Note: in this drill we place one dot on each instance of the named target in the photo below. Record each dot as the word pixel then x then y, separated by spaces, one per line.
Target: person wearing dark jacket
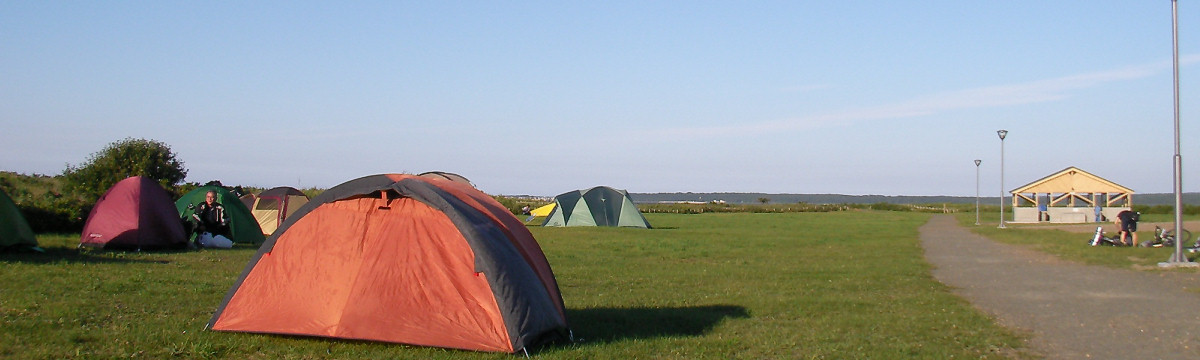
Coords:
pixel 210 216
pixel 1128 221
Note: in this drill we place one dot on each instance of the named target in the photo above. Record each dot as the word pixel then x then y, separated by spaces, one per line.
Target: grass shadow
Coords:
pixel 616 324
pixel 54 255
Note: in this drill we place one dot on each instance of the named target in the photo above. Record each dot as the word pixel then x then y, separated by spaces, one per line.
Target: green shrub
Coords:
pixel 514 205
pixel 42 203
pixel 56 216
pixel 122 159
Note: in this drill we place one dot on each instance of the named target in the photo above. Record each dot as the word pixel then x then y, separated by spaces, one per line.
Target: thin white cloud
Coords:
pixel 806 88
pixel 985 97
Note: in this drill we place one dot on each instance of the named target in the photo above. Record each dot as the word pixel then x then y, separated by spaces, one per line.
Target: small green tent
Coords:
pixel 15 232
pixel 598 206
pixel 242 225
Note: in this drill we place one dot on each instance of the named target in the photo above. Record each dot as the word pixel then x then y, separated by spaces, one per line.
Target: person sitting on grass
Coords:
pixel 211 223
pixel 526 210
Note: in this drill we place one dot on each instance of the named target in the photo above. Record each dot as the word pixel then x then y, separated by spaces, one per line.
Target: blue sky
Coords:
pixel 874 97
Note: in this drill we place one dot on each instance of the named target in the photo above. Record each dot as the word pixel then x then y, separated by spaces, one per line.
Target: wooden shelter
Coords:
pixel 1070 196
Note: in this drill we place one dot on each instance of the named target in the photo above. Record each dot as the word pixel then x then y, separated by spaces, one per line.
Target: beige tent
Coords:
pixel 1070 195
pixel 271 207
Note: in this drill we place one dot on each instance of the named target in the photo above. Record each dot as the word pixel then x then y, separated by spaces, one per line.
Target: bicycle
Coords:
pixel 1099 239
pixel 1166 238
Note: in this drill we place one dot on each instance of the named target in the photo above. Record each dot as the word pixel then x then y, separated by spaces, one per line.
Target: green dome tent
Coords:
pixel 598 206
pixel 242 225
pixel 15 232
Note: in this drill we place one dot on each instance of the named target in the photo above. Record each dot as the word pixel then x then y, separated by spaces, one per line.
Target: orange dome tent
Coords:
pixel 405 259
pixel 446 176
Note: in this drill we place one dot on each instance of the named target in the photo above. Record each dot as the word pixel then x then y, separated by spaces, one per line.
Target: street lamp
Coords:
pixel 1002 133
pixel 1177 259
pixel 977 162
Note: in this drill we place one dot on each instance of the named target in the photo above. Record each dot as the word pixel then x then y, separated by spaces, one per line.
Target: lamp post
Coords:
pixel 977 162
pixel 1002 133
pixel 1177 259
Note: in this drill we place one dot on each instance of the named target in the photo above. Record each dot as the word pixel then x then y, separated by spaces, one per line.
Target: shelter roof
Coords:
pixel 1072 180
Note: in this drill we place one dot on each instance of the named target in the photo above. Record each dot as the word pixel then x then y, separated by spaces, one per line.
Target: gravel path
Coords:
pixel 1072 311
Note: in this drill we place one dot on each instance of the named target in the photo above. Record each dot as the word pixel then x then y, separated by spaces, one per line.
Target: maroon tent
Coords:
pixel 135 213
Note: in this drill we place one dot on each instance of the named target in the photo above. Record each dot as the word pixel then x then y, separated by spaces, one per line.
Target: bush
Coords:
pixel 122 159
pixel 58 216
pixel 44 207
pixel 514 205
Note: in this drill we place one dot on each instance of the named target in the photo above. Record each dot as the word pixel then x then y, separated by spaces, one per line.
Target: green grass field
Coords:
pixel 839 285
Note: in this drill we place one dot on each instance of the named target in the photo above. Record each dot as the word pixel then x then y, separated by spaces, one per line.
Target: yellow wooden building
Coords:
pixel 1070 196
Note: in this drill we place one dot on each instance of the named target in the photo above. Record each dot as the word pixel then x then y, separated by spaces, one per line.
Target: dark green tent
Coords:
pixel 598 206
pixel 241 224
pixel 15 232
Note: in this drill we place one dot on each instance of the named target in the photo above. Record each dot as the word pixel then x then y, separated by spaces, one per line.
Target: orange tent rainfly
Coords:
pixel 446 176
pixel 405 259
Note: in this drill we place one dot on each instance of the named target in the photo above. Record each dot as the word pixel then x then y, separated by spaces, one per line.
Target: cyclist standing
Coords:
pixel 1128 220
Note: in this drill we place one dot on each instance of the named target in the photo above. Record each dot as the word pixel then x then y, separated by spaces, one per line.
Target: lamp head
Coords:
pixel 1002 133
